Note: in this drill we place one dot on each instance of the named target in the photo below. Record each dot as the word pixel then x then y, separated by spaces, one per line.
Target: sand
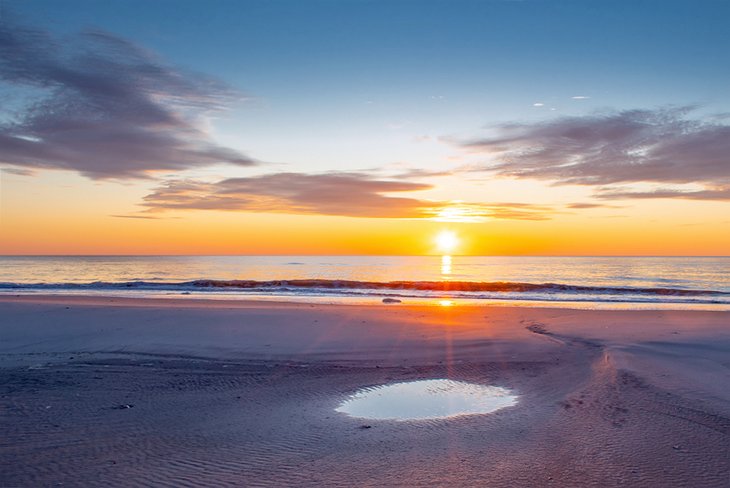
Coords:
pixel 139 392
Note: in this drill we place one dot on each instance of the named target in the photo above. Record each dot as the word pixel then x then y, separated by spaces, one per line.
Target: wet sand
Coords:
pixel 125 392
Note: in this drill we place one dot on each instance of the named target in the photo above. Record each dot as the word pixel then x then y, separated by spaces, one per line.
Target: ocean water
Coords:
pixel 631 280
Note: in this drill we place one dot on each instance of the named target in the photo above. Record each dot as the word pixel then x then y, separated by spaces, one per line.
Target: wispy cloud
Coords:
pixel 586 205
pixel 17 171
pixel 104 107
pixel 478 212
pixel 339 193
pixel 142 217
pixel 719 193
pixel 421 173
pixel 636 146
pixel 351 194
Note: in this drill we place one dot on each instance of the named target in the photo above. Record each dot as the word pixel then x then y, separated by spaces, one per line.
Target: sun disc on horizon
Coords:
pixel 447 241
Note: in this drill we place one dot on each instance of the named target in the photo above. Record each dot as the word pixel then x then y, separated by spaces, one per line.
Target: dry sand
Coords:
pixel 243 394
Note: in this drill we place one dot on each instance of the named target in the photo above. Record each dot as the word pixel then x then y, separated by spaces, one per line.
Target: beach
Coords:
pixel 165 392
pixel 367 243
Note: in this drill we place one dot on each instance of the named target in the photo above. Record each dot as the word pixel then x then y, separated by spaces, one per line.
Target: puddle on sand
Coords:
pixel 426 399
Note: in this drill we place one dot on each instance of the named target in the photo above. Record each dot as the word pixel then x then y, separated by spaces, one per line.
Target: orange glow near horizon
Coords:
pixel 61 213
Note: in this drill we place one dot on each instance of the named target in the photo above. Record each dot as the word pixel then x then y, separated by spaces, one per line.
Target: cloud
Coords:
pixel 580 97
pixel 582 206
pixel 479 212
pixel 351 194
pixel 337 193
pixel 102 106
pixel 421 173
pixel 143 217
pixel 17 171
pixel 721 193
pixel 534 213
pixel 636 146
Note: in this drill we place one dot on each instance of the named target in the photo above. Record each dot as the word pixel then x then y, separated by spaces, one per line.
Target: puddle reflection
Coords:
pixel 426 399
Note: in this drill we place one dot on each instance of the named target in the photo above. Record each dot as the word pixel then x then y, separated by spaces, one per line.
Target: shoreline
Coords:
pixel 244 392
pixel 363 300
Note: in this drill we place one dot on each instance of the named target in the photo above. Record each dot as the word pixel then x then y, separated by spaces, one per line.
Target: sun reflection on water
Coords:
pixel 445 266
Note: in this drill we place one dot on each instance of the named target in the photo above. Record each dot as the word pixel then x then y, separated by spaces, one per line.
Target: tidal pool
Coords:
pixel 426 399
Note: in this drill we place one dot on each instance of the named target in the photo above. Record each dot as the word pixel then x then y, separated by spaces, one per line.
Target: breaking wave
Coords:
pixel 450 289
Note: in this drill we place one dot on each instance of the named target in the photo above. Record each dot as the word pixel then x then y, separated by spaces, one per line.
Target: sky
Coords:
pixel 531 127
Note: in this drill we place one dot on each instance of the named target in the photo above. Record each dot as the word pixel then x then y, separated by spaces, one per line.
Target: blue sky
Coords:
pixel 325 75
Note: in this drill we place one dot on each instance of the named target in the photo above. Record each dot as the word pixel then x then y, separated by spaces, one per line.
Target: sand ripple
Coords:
pixel 581 422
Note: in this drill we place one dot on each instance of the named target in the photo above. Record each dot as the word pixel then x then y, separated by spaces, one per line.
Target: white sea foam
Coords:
pixel 600 280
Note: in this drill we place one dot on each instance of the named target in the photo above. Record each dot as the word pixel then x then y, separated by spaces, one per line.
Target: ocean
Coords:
pixel 687 282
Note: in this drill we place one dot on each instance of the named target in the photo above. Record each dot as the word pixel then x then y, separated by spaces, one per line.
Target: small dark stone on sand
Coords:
pixel 366 426
pixel 391 300
pixel 537 329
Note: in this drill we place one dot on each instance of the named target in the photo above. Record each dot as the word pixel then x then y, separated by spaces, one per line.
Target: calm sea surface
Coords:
pixel 687 280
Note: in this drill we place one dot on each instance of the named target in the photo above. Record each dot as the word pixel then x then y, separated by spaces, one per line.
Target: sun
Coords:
pixel 447 241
